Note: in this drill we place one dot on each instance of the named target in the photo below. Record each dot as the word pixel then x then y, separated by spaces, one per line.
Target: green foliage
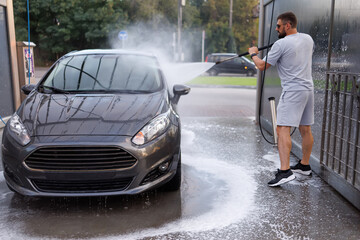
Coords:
pixel 245 25
pixel 222 80
pixel 244 31
pixel 60 26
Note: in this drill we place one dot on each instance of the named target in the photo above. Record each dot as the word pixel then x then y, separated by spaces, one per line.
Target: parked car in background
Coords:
pixel 100 122
pixel 240 65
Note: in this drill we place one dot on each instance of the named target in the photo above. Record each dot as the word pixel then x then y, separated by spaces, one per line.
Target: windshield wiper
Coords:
pixel 137 91
pixel 55 90
pixel 118 91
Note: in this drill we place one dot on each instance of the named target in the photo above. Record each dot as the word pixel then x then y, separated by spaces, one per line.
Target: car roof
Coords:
pixel 108 52
pixel 226 54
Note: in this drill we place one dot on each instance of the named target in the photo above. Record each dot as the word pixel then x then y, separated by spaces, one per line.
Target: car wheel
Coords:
pixel 250 72
pixel 175 183
pixel 213 72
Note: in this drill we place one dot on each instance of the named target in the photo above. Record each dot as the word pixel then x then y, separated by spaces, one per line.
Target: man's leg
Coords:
pixel 307 143
pixel 303 166
pixel 284 146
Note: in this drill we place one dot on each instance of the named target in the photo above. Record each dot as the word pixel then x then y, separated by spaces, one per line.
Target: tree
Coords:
pixel 215 17
pixel 58 26
pixel 245 25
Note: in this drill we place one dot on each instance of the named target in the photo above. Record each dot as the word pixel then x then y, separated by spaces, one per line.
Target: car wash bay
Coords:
pixel 224 195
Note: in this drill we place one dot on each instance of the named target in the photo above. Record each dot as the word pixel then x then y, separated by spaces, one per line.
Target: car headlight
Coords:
pixel 153 129
pixel 18 130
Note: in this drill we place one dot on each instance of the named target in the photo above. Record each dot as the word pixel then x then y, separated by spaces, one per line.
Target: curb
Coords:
pixel 220 86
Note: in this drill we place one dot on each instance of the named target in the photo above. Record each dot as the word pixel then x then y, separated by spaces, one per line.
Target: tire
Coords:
pixel 250 72
pixel 175 183
pixel 213 72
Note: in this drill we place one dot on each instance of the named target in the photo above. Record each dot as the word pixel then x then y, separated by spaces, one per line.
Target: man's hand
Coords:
pixel 253 50
pixel 260 64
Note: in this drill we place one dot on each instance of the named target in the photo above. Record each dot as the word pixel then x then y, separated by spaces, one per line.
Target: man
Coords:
pixel 292 54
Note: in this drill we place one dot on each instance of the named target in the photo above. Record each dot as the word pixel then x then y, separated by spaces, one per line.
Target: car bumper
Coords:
pixel 23 179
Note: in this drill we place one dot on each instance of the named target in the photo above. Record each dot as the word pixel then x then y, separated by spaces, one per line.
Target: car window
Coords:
pixel 219 57
pixel 105 72
pixel 246 60
pixel 239 61
pixel 222 58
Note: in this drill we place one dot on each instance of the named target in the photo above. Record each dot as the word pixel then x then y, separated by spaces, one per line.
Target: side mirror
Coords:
pixel 28 88
pixel 178 91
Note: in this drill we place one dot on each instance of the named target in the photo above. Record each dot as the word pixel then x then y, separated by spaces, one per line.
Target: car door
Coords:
pixel 230 66
pixel 240 65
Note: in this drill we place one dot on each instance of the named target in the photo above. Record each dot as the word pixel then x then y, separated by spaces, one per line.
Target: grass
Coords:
pixel 220 80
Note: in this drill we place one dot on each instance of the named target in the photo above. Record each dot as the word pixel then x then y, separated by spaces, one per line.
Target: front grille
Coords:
pixel 84 186
pixel 80 158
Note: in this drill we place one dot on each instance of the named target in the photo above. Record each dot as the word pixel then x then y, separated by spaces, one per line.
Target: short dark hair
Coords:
pixel 288 17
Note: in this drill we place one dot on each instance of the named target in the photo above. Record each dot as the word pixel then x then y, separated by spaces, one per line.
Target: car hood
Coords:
pixel 90 114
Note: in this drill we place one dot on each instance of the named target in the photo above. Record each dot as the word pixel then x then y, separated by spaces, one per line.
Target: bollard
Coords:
pixel 273 118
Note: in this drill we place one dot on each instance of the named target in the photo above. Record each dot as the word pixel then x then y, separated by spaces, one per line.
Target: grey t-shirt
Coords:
pixel 293 57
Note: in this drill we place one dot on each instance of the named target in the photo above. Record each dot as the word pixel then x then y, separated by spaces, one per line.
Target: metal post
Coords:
pixel 347 156
pixel 260 43
pixel 336 119
pixel 273 118
pixel 330 34
pixel 231 13
pixel 28 19
pixel 203 45
pixel 343 110
pixel 356 134
pixel 355 159
pixel 179 29
pixel 324 118
pixel 333 86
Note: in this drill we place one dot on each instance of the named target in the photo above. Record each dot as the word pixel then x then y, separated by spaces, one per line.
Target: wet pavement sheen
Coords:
pixel 224 194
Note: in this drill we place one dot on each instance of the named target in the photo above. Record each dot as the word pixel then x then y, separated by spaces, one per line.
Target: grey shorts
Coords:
pixel 295 108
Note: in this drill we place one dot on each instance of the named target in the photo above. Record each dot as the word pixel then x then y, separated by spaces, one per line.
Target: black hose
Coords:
pixel 263 79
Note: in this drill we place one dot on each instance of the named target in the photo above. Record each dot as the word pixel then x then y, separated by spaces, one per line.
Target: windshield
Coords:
pixel 104 73
pixel 249 61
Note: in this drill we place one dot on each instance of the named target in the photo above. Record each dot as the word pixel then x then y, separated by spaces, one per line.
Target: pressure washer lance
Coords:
pixel 273 118
pixel 243 54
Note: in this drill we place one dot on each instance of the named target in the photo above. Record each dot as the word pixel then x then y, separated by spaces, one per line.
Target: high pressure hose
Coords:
pixel 263 78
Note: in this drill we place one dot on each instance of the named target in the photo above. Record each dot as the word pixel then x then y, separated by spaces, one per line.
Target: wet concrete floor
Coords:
pixel 224 195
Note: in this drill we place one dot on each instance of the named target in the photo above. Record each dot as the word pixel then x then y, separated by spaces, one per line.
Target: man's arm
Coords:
pixel 260 64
